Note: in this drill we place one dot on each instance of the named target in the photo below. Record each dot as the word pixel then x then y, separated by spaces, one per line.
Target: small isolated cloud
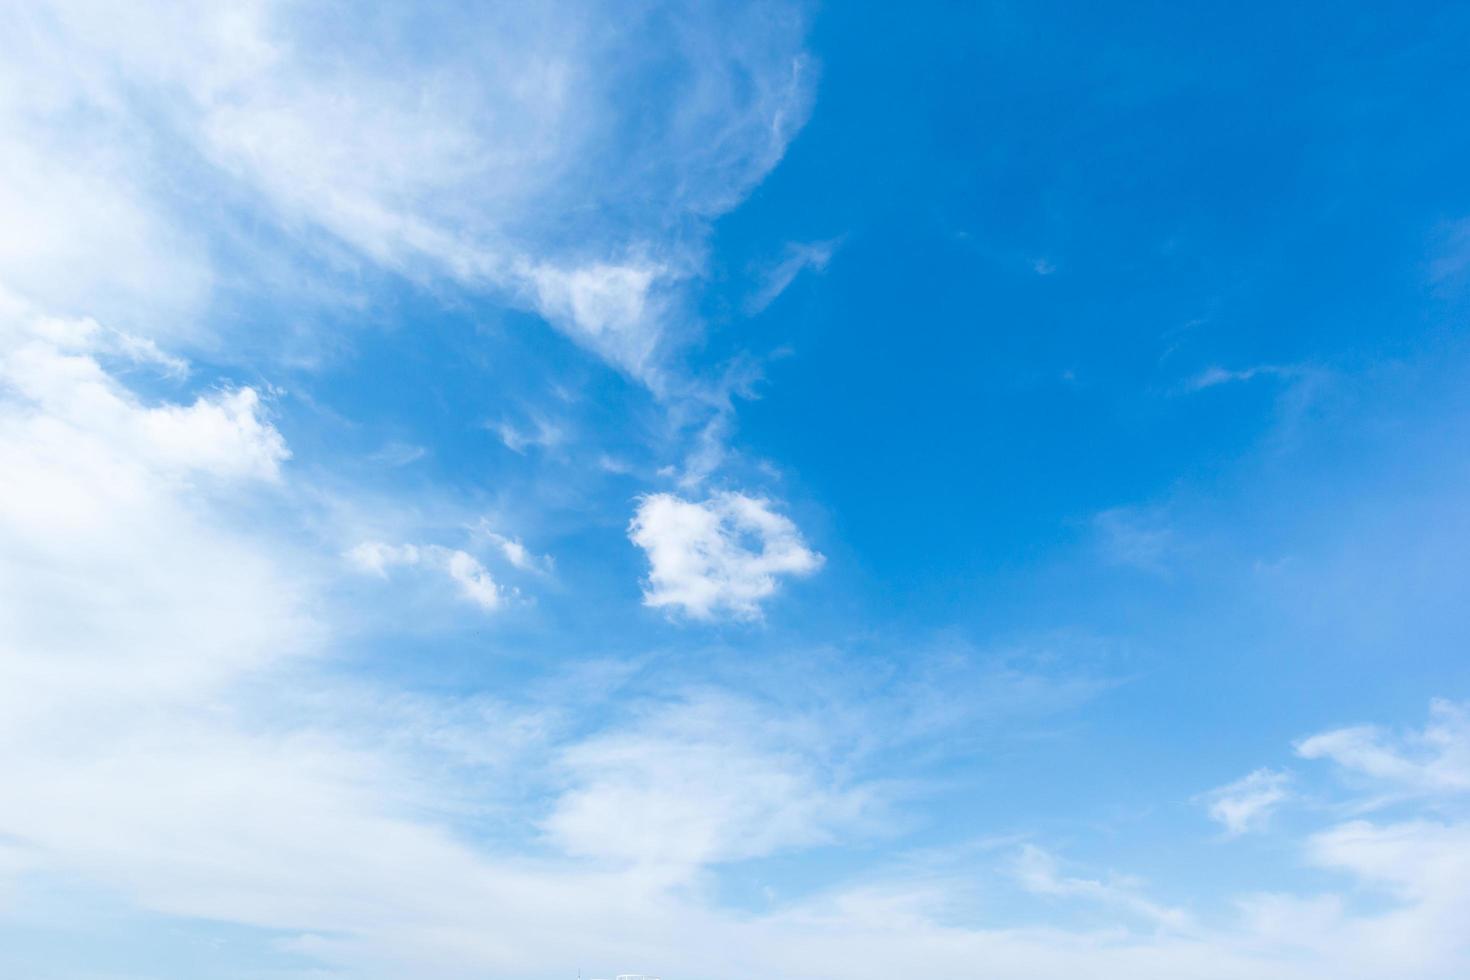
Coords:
pixel 1043 267
pixel 1247 804
pixel 514 551
pixel 722 556
pixel 1432 762
pixel 1213 377
pixel 474 583
pixel 395 454
pixel 799 257
pixel 539 434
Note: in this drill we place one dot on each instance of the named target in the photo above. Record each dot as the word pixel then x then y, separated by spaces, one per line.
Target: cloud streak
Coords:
pixel 1247 804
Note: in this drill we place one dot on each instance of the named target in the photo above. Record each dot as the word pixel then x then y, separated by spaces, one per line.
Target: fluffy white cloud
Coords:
pixel 722 556
pixel 1247 803
pixel 475 583
pixel 61 397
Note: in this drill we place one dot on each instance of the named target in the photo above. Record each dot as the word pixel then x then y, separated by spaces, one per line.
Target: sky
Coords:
pixel 734 490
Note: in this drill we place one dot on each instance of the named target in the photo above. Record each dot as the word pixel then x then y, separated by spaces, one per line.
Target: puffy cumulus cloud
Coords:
pixel 501 154
pixel 472 580
pixel 66 415
pixel 1247 803
pixel 707 779
pixel 719 557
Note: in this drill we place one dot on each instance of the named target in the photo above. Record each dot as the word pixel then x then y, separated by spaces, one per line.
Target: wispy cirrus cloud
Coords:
pixel 1215 376
pixel 1039 872
pixel 452 164
pixel 1431 762
pixel 799 257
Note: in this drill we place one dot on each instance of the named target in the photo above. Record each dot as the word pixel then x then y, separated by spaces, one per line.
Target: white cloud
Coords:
pixel 164 739
pixel 169 735
pixel 709 779
pixel 1039 873
pixel 542 434
pixel 722 556
pixel 1247 804
pixel 395 454
pixel 78 234
pixel 514 551
pixel 799 257
pixel 377 557
pixel 1215 376
pixel 106 556
pixel 474 581
pixel 1434 761
pixel 497 157
pixel 62 397
pixel 607 306
pixel 1423 867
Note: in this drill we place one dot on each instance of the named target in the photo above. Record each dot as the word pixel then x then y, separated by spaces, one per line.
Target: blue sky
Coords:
pixel 729 490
